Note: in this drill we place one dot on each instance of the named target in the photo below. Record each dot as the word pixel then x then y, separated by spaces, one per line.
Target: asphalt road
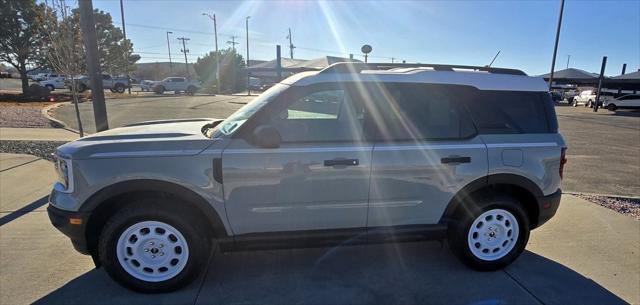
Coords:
pixel 603 147
pixel 587 254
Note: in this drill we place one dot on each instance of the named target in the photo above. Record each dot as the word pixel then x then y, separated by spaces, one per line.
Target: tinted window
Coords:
pixel 403 112
pixel 509 112
pixel 317 114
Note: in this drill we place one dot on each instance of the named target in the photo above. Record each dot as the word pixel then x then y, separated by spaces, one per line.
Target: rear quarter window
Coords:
pixel 499 112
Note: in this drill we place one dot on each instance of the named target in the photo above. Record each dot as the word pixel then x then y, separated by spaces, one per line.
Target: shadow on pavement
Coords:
pixel 24 210
pixel 411 273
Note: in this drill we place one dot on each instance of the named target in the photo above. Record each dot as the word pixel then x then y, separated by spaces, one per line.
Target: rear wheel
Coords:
pixel 150 249
pixel 490 233
pixel 159 89
pixel 191 90
pixel 50 87
pixel 588 104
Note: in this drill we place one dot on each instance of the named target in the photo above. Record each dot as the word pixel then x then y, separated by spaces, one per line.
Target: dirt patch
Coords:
pixel 625 206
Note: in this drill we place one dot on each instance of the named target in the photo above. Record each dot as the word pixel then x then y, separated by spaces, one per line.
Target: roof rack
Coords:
pixel 357 67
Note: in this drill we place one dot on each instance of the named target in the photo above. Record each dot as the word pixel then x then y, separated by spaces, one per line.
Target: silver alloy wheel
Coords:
pixel 493 234
pixel 152 251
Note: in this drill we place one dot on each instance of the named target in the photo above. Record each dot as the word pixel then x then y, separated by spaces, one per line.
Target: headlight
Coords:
pixel 65 174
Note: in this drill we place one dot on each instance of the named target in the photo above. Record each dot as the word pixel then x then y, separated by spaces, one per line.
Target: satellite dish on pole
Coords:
pixel 366 49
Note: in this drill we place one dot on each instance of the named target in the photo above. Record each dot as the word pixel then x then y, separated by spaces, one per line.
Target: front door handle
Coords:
pixel 455 160
pixel 343 162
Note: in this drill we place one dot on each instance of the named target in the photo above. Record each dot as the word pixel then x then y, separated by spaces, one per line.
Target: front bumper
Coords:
pixel 548 206
pixel 71 224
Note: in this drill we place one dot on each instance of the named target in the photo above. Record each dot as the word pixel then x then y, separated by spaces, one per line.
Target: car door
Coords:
pixel 318 177
pixel 425 151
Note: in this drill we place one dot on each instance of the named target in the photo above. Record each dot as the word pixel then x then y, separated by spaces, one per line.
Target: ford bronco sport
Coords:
pixel 364 152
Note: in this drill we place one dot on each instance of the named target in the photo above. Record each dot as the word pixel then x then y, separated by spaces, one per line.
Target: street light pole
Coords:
pixel 248 74
pixel 169 48
pixel 215 34
pixel 126 43
pixel 555 48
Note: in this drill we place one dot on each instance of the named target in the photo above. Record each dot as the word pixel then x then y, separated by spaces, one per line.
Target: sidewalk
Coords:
pixel 37 134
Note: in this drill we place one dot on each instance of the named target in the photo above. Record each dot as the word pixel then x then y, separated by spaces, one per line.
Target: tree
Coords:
pixel 232 77
pixel 63 55
pixel 111 44
pixel 21 35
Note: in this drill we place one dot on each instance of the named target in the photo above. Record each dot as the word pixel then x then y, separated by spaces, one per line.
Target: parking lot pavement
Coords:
pixel 585 255
pixel 603 150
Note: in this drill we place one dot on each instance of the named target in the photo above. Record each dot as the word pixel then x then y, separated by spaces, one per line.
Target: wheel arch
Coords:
pixel 107 201
pixel 521 188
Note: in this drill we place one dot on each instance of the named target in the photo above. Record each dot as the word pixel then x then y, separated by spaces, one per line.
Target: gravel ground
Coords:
pixel 21 116
pixel 42 149
pixel 625 206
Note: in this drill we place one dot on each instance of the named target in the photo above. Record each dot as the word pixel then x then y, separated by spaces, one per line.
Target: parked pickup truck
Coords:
pixel 114 84
pixel 177 85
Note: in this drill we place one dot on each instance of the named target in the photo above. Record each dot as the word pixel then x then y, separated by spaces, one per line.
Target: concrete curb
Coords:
pixel 604 195
pixel 55 122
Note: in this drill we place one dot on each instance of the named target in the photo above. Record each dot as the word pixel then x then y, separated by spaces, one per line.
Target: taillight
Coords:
pixel 563 160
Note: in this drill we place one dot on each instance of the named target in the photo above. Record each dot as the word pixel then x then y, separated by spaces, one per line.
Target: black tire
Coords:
pixel 152 210
pixel 119 88
pixel 588 104
pixel 191 90
pixel 459 231
pixel 158 89
pixel 612 107
pixel 82 88
pixel 51 88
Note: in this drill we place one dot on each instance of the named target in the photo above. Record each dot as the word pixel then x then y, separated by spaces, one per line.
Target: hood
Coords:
pixel 145 139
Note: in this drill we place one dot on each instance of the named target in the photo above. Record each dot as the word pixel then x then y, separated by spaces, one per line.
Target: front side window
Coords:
pixel 318 113
pixel 238 118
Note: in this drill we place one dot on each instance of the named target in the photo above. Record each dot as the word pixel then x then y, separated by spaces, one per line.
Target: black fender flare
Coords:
pixel 482 183
pixel 104 195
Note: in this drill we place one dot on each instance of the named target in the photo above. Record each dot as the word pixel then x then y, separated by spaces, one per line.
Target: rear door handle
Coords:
pixel 343 162
pixel 455 160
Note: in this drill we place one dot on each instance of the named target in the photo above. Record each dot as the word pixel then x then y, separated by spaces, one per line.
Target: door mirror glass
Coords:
pixel 266 136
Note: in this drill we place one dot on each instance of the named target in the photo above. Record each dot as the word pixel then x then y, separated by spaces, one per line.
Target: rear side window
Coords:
pixel 410 111
pixel 498 112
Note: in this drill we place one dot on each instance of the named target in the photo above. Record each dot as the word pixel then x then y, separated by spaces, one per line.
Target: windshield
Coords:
pixel 233 122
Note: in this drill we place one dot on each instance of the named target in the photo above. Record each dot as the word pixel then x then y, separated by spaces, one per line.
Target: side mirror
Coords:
pixel 266 136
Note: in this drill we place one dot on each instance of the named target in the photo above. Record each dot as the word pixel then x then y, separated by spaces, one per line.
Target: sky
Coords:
pixel 448 32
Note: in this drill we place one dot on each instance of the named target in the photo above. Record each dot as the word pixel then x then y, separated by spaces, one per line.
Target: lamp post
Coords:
pixel 248 74
pixel 169 49
pixel 215 34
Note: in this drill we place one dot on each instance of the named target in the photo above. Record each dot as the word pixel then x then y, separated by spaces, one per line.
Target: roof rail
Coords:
pixel 357 67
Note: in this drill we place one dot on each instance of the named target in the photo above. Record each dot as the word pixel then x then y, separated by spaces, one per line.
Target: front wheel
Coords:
pixel 490 233
pixel 150 249
pixel 612 107
pixel 119 88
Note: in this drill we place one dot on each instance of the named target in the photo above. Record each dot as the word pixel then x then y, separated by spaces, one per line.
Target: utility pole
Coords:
pixel 248 74
pixel 185 51
pixel 215 34
pixel 278 63
pixel 126 52
pixel 88 26
pixel 169 48
pixel 393 59
pixel 291 46
pixel 555 48
pixel 233 44
pixel 568 59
